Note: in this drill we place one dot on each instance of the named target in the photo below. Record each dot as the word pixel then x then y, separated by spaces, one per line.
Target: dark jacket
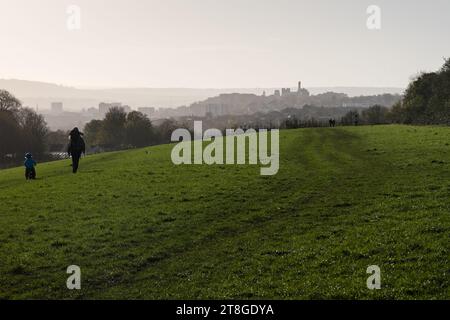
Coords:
pixel 29 163
pixel 76 145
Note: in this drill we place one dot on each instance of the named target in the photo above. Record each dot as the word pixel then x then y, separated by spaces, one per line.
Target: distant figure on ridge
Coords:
pixel 76 148
pixel 30 172
pixel 332 123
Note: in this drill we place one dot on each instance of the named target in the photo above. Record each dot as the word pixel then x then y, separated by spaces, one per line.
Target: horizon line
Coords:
pixel 84 87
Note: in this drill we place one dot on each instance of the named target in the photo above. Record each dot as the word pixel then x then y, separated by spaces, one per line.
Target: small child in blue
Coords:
pixel 30 172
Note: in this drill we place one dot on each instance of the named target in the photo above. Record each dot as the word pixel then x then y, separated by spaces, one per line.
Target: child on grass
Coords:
pixel 30 172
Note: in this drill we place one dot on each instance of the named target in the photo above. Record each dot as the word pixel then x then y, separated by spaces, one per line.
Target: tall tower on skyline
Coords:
pixel 299 86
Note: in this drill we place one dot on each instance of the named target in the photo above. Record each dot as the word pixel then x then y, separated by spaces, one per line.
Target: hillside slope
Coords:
pixel 141 227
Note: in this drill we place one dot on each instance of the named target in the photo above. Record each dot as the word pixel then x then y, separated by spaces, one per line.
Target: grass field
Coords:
pixel 141 227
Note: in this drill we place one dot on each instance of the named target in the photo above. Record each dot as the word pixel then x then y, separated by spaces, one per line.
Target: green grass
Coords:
pixel 141 227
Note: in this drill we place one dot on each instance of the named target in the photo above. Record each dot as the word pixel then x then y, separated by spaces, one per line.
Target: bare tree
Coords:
pixel 10 135
pixel 34 130
pixel 8 102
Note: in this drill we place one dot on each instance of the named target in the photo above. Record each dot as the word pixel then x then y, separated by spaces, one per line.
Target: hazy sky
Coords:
pixel 226 43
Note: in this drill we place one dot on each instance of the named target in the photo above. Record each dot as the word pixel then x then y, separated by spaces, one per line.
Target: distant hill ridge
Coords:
pixel 35 93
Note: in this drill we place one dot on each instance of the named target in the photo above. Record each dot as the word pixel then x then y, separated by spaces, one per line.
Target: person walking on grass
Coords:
pixel 30 171
pixel 76 148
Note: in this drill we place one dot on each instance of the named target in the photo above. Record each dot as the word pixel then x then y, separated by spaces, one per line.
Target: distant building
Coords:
pixel 93 112
pixel 277 93
pixel 149 111
pixel 126 108
pixel 105 107
pixel 356 104
pixel 285 91
pixel 217 109
pixel 56 107
pixel 301 91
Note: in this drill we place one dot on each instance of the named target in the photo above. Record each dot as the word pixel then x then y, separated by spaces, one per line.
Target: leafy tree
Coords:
pixel 165 130
pixel 56 141
pixel 396 114
pixel 375 115
pixel 350 118
pixel 113 129
pixel 427 98
pixel 138 130
pixel 93 131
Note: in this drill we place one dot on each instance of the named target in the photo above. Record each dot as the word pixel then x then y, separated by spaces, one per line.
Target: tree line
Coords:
pixel 121 130
pixel 21 130
pixel 426 100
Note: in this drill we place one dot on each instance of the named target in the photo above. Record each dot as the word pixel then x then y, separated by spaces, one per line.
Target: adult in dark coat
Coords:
pixel 76 148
